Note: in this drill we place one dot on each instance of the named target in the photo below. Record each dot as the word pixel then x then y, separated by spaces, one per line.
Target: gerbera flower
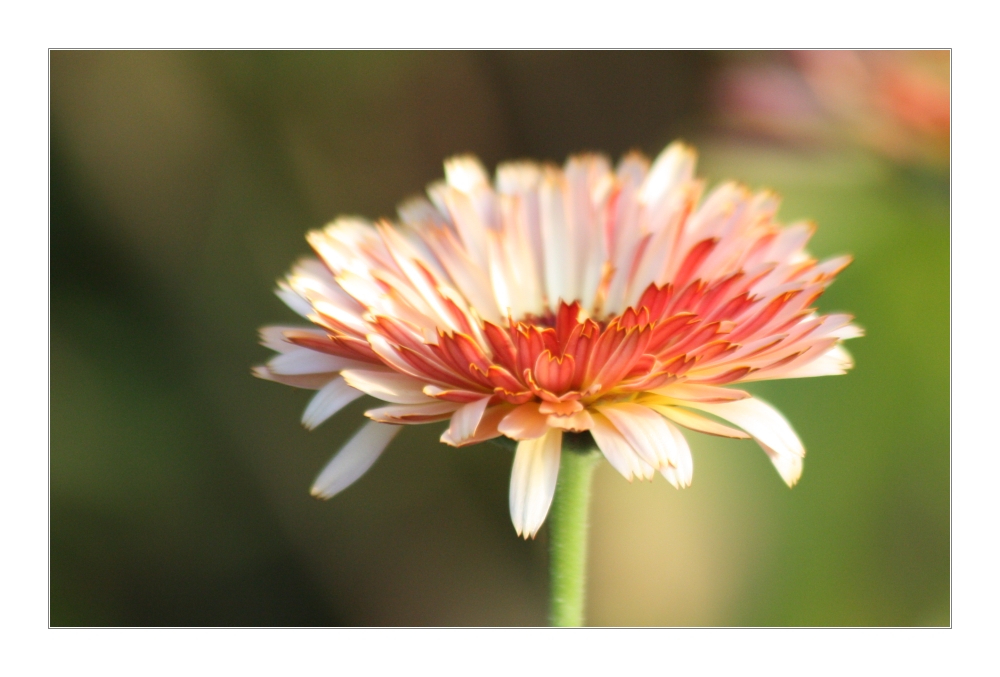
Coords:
pixel 586 299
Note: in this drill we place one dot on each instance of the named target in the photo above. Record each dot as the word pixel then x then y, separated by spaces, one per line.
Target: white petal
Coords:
pixel 617 450
pixel 670 474
pixel 469 225
pixel 293 300
pixel 848 332
pixel 336 242
pixel 671 168
pixel 584 226
pixel 417 211
pixel 313 281
pixel 306 361
pixel 330 399
pixel 696 422
pixel 345 316
pixel 388 386
pixel 632 169
pixel 407 257
pixel 273 337
pixel 466 173
pixel 517 177
pixel 465 274
pixel 361 287
pixel 769 428
pixel 533 481
pixel 680 472
pixel 499 275
pixel 308 381
pixel 644 429
pixel 760 420
pixel 831 363
pixel 413 413
pixel 486 429
pixel 465 420
pixel 354 459
pixel 559 261
pixel 788 466
pixel 389 354
pixel 522 244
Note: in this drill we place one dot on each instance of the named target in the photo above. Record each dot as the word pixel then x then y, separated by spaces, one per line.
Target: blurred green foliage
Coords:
pixel 182 185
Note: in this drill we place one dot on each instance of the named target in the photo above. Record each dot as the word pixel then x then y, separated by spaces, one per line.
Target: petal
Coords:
pixel 487 428
pixel 833 362
pixel 576 422
pixel 760 420
pixel 769 428
pixel 354 459
pixel 533 481
pixel 848 332
pixel 557 249
pixel 464 421
pixel 293 300
pixel 453 395
pixel 788 466
pixel 417 211
pixel 672 167
pixel 309 381
pixel 273 337
pixel 387 386
pixel 644 429
pixel 699 423
pixel 305 361
pixel 330 399
pixel 554 373
pixel 345 318
pixel 389 354
pixel 413 413
pixel 680 472
pixel 466 173
pixel 617 450
pixel 700 393
pixel 524 423
pixel 468 223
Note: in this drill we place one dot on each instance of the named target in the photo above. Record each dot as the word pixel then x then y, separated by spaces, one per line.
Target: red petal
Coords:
pixel 656 299
pixel 567 319
pixel 695 257
pixel 671 330
pixel 499 377
pixel 730 376
pixel 503 348
pixel 747 328
pixel 554 374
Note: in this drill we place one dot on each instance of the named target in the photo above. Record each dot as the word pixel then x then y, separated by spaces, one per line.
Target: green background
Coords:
pixel 182 185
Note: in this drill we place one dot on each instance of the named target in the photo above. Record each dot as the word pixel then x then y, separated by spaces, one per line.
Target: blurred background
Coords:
pixel 182 185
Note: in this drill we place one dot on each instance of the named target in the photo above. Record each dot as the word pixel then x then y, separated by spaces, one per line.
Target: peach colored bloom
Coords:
pixel 895 102
pixel 585 298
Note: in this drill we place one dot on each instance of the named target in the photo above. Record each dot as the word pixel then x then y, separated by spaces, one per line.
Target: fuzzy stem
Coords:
pixel 568 536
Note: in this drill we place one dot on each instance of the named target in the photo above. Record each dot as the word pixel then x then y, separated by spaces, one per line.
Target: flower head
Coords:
pixel 584 299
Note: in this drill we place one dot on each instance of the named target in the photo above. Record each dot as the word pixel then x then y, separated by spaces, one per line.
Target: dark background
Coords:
pixel 182 185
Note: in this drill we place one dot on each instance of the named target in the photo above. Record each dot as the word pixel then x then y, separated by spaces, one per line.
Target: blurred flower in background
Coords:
pixel 896 103
pixel 181 184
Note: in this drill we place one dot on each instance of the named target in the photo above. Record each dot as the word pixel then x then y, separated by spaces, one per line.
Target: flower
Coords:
pixel 555 301
pixel 894 102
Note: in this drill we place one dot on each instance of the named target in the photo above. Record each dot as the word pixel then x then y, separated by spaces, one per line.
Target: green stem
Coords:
pixel 568 536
